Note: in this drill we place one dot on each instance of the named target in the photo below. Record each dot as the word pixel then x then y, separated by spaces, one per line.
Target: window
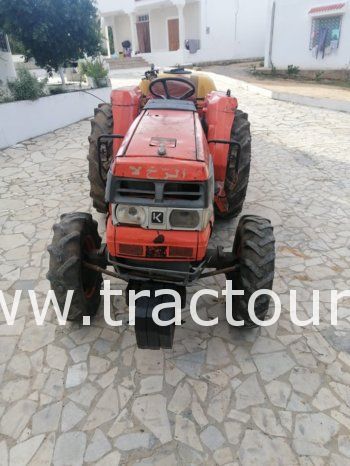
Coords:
pixel 327 30
pixel 143 19
pixel 3 42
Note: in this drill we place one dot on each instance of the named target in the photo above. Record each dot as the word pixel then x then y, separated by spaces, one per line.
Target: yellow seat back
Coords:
pixel 202 82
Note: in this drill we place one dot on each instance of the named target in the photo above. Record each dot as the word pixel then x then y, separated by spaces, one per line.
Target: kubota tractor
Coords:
pixel 166 157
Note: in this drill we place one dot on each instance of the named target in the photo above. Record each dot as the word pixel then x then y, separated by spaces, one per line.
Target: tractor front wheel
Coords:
pixel 102 123
pixel 74 236
pixel 254 248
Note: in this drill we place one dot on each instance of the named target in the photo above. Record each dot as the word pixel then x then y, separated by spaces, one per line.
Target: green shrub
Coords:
pixel 293 70
pixel 319 75
pixel 253 69
pixel 26 86
pixel 53 90
pixel 94 69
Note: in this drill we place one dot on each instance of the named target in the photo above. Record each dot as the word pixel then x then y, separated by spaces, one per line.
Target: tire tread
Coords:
pixel 254 246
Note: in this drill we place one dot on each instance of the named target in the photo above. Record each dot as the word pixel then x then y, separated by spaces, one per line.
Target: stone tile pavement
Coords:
pixel 276 396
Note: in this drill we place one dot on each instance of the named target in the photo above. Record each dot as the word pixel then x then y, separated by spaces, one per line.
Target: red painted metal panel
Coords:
pixel 326 8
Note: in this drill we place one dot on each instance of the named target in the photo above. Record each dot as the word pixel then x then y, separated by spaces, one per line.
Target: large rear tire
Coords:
pixel 254 247
pixel 74 236
pixel 236 185
pixel 102 123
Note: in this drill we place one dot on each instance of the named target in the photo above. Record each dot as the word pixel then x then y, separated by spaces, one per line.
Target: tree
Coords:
pixel 53 32
pixel 16 46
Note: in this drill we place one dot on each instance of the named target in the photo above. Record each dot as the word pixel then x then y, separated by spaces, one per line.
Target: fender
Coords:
pixel 126 103
pixel 219 114
pixel 219 110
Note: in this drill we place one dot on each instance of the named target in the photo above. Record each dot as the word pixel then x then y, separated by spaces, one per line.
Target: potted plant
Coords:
pixel 95 71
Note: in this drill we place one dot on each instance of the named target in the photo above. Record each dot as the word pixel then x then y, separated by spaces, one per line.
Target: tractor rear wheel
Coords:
pixel 254 247
pixel 102 123
pixel 236 184
pixel 74 236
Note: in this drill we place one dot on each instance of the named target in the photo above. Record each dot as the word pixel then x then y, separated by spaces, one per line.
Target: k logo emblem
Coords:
pixel 158 217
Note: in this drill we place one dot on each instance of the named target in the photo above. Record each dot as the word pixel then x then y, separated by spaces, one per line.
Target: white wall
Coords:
pixel 27 119
pixel 192 14
pixel 291 37
pixel 121 31
pixel 110 6
pixel 165 59
pixel 225 41
pixel 159 28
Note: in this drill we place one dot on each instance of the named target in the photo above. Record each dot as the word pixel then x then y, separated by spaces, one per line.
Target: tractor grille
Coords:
pixel 130 250
pixel 159 252
pixel 136 189
pixel 185 191
pixel 175 251
pixel 157 193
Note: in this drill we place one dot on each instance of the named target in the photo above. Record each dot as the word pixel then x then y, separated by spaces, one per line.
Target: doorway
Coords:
pixel 143 34
pixel 173 34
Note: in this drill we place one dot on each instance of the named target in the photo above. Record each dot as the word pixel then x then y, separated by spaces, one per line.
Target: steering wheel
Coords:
pixel 162 88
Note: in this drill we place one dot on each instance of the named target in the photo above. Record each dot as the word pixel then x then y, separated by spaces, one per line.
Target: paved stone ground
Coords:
pixel 275 396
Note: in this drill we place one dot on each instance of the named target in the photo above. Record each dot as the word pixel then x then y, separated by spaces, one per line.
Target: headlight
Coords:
pixel 184 219
pixel 164 218
pixel 207 216
pixel 130 215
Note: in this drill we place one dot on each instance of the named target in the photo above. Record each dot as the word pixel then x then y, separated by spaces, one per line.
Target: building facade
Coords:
pixel 168 32
pixel 310 34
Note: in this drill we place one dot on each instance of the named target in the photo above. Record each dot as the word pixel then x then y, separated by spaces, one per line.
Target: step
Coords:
pixel 124 63
pixel 127 67
pixel 122 60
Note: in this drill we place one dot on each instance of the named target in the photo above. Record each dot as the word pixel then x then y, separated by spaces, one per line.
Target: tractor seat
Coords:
pixel 203 83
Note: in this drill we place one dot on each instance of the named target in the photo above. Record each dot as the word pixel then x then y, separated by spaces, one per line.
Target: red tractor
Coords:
pixel 166 158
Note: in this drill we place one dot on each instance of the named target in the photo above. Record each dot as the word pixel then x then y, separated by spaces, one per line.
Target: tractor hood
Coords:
pixel 165 133
pixel 164 143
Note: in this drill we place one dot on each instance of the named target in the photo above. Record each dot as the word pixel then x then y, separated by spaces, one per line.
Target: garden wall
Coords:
pixel 27 119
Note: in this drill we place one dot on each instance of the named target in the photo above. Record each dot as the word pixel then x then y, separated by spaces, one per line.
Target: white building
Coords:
pixel 310 34
pixel 7 68
pixel 214 29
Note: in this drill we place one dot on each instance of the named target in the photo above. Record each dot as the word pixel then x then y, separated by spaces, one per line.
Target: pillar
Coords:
pixel 117 46
pixel 180 10
pixel 104 29
pixel 134 39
